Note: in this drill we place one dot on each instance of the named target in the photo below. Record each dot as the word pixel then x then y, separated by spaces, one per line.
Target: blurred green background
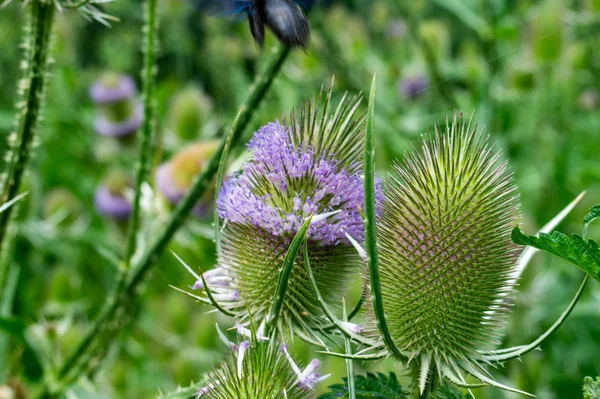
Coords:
pixel 528 70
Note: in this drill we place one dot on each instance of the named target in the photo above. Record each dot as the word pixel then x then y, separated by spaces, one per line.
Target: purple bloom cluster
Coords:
pixel 112 88
pixel 285 182
pixel 109 204
pixel 413 86
pixel 105 127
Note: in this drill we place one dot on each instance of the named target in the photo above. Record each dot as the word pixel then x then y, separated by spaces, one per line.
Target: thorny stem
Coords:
pixel 146 148
pixel 141 267
pixel 36 60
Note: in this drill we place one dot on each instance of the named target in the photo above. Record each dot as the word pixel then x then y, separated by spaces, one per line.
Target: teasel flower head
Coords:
pixel 110 197
pixel 258 368
pixel 120 112
pixel 174 178
pixel 445 251
pixel 311 166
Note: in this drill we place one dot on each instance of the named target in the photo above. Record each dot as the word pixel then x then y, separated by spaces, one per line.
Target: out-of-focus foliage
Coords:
pixel 529 70
pixel 369 386
pixel 591 388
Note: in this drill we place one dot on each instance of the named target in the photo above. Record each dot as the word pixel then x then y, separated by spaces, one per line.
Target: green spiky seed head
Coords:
pixel 445 249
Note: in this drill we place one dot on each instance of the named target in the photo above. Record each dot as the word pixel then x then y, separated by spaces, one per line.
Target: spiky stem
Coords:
pixel 35 62
pixel 146 148
pixel 140 268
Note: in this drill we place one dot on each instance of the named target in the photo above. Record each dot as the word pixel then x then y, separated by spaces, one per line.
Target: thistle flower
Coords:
pixel 309 167
pixel 120 113
pixel 445 252
pixel 412 86
pixel 110 197
pixel 260 369
pixel 174 178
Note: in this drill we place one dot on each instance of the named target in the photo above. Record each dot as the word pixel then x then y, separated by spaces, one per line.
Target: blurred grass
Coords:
pixel 524 67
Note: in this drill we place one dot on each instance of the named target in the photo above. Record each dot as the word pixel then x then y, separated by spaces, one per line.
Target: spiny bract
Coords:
pixel 260 369
pixel 445 252
pixel 309 167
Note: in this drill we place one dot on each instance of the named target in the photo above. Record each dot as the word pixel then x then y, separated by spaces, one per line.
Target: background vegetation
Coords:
pixel 529 70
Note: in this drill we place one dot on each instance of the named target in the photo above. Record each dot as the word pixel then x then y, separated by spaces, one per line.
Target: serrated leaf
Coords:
pixel 591 388
pixel 583 254
pixel 370 386
pixel 592 215
pixel 447 391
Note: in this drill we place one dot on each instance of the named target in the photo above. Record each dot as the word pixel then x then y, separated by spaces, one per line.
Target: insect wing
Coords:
pixel 287 21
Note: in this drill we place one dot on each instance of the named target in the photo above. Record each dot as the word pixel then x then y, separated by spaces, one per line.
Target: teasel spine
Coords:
pixel 37 41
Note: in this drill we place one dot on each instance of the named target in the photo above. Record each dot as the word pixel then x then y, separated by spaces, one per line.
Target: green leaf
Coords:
pixel 183 392
pixel 13 326
pixel 448 391
pixel 592 215
pixel 370 386
pixel 591 388
pixel 583 254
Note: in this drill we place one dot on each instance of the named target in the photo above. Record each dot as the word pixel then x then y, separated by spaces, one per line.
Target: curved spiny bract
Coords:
pixel 310 166
pixel 445 251
pixel 259 370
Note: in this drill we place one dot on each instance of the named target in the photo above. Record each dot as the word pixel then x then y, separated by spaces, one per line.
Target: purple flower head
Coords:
pixel 112 88
pixel 397 29
pixel 310 166
pixel 110 197
pixel 174 178
pixel 106 126
pixel 412 86
pixel 285 183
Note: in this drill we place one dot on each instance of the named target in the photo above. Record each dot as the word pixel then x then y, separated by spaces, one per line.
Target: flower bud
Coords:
pixel 188 113
pixel 110 199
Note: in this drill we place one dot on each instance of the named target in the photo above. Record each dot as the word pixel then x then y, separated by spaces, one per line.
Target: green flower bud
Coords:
pixel 188 112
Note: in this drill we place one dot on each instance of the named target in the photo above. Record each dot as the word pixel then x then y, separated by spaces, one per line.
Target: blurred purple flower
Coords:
pixel 412 86
pixel 397 29
pixel 109 204
pixel 284 184
pixel 110 198
pixel 112 88
pixel 174 178
pixel 588 100
pixel 106 127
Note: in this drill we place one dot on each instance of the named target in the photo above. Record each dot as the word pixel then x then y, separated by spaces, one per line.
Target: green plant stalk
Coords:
pixel 284 275
pixel 139 270
pixel 349 362
pixel 371 228
pixel 150 31
pixel 9 274
pixel 36 61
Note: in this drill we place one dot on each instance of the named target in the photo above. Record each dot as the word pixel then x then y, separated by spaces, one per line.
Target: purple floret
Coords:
pixel 111 205
pixel 105 127
pixel 285 183
pixel 112 89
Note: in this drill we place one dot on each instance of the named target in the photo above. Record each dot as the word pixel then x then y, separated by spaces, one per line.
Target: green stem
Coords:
pixel 9 275
pixel 146 148
pixel 36 60
pixel 371 228
pixel 255 96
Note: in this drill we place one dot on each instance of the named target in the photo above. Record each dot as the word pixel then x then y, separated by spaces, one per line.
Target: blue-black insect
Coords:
pixel 284 18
